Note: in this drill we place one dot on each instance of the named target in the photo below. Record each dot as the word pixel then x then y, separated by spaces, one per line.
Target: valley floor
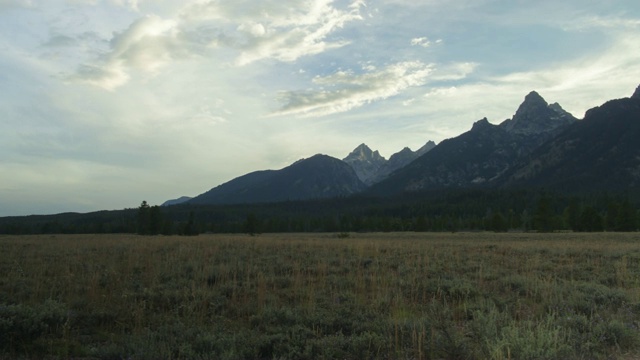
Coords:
pixel 321 296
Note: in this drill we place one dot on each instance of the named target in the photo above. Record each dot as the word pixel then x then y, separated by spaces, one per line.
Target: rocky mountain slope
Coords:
pixel 177 201
pixel 372 168
pixel 365 162
pixel 482 155
pixel 319 176
pixel 601 152
pixel 400 160
pixel 535 118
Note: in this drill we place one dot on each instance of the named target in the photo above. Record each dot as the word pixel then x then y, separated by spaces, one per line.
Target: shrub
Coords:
pixel 21 325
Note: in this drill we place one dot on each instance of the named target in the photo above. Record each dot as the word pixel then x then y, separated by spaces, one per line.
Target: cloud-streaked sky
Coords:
pixel 105 103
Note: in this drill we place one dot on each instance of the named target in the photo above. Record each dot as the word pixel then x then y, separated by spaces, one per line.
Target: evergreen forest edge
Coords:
pixel 452 210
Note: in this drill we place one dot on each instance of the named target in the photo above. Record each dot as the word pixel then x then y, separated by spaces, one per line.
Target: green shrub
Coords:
pixel 21 325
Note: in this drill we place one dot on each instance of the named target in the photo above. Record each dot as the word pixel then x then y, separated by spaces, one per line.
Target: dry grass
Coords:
pixel 392 295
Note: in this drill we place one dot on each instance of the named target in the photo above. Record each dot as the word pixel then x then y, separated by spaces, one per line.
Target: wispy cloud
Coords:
pixel 424 42
pixel 345 90
pixel 279 30
pixel 132 4
pixel 603 22
pixel 302 33
pixel 454 71
pixel 577 84
pixel 11 4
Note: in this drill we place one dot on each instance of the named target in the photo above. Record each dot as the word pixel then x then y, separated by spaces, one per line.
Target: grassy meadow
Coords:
pixel 321 296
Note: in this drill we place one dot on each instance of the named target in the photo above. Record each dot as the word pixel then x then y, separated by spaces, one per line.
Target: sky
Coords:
pixel 106 103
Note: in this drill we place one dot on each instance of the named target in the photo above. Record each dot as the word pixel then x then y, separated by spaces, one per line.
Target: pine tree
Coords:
pixel 498 223
pixel 626 217
pixel 149 219
pixel 572 214
pixel 144 219
pixel 611 219
pixel 590 220
pixel 190 228
pixel 251 224
pixel 543 217
pixel 155 220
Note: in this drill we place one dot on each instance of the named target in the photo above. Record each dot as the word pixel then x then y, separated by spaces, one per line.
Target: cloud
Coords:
pixel 11 4
pixel 439 91
pixel 132 4
pixel 109 76
pixel 211 69
pixel 455 71
pixel 279 30
pixel 345 90
pixel 83 2
pixel 146 45
pixel 568 15
pixel 601 22
pixel 578 85
pixel 348 90
pixel 424 42
pixel 213 114
pixel 60 41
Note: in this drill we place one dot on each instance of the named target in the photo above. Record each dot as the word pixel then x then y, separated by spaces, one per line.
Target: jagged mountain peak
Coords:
pixel 636 94
pixel 363 152
pixel 535 116
pixel 600 152
pixel 365 162
pixel 405 150
pixel 534 98
pixel 480 124
pixel 562 113
pixel 532 104
pixel 555 106
pixel 399 160
pixel 426 148
pixel 362 148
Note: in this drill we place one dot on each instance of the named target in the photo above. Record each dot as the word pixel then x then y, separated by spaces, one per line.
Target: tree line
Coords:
pixel 461 210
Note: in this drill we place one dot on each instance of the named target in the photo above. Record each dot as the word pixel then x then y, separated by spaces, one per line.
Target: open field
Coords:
pixel 321 296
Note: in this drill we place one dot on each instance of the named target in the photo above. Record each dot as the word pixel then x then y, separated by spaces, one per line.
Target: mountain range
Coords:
pixel 541 146
pixel 482 155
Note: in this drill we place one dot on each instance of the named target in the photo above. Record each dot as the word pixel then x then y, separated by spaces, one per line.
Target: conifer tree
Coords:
pixel 543 217
pixel 144 218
